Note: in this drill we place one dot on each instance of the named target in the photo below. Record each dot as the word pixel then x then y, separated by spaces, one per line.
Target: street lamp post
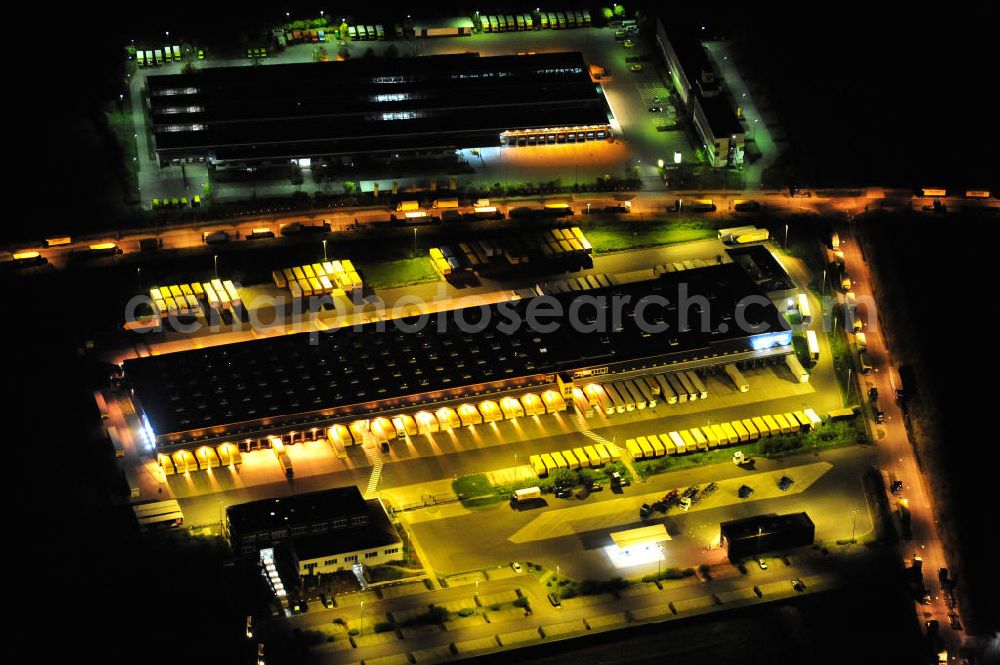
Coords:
pixel 823 287
pixel 557 571
pixel 324 250
pixel 760 534
pixel 215 262
pixel 361 631
pixel 786 237
pixel 854 522
pixel 515 467
pixel 138 278
pixel 414 242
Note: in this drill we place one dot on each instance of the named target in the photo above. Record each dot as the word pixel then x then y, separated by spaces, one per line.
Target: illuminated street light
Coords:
pixel 324 250
pixel 659 163
pixel 215 261
pixel 677 158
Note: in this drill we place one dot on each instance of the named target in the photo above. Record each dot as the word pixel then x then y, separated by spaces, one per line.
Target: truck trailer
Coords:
pixel 734 373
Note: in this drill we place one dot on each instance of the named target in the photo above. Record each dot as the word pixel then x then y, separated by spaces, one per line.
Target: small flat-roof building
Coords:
pixel 257 524
pixel 308 534
pixel 761 534
pixel 274 113
pixel 247 391
pixel 721 131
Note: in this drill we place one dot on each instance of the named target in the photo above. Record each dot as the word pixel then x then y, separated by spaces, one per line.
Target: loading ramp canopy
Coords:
pixel 646 535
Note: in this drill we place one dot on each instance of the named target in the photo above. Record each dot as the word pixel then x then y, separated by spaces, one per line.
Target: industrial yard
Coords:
pixel 514 336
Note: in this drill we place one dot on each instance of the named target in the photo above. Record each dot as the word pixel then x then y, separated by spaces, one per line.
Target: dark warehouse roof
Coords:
pixel 379 532
pixel 291 374
pixel 767 524
pixel 369 104
pixel 281 512
pixel 720 115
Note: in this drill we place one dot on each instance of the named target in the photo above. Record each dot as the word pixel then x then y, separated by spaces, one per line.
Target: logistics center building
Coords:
pixel 239 116
pixel 464 363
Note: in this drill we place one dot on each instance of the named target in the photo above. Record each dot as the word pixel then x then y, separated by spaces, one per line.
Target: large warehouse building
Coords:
pixel 435 104
pixel 241 395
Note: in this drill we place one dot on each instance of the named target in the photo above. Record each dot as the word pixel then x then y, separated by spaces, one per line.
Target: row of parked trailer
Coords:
pixel 157 57
pixel 584 457
pixel 582 283
pixel 641 392
pixel 551 244
pixel 721 434
pixel 383 429
pixel 187 299
pixel 318 278
pixel 544 21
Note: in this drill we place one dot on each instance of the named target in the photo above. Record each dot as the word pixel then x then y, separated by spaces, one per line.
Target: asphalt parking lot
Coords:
pixel 832 492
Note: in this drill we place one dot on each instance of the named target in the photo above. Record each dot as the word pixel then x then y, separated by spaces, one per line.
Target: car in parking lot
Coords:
pixel 762 564
pixel 745 491
pixel 635 67
pixel 554 599
pixel 954 621
pixel 798 585
pixel 645 510
pixel 656 109
pixel 879 415
pixel 516 567
pixel 564 493
pixel 785 483
pixel 931 627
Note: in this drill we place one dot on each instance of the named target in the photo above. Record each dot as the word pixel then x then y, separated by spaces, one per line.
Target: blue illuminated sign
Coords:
pixel 768 340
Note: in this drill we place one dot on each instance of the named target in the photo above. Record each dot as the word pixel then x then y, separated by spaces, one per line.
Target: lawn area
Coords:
pixel 840 350
pixel 607 236
pixel 120 124
pixel 400 272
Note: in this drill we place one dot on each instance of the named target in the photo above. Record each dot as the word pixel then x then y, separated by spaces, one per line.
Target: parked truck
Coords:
pixel 736 375
pixel 796 367
pixel 445 203
pixel 406 206
pixel 526 494
pixel 812 342
pixel 897 384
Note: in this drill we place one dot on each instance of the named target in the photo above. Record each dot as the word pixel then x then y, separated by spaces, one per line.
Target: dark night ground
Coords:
pixel 88 585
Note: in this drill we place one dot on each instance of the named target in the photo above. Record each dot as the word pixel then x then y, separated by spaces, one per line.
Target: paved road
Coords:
pixel 574 532
pixel 645 205
pixel 897 454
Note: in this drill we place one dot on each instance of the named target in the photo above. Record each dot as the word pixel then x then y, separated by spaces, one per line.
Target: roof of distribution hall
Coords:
pixel 370 103
pixel 273 513
pixel 303 373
